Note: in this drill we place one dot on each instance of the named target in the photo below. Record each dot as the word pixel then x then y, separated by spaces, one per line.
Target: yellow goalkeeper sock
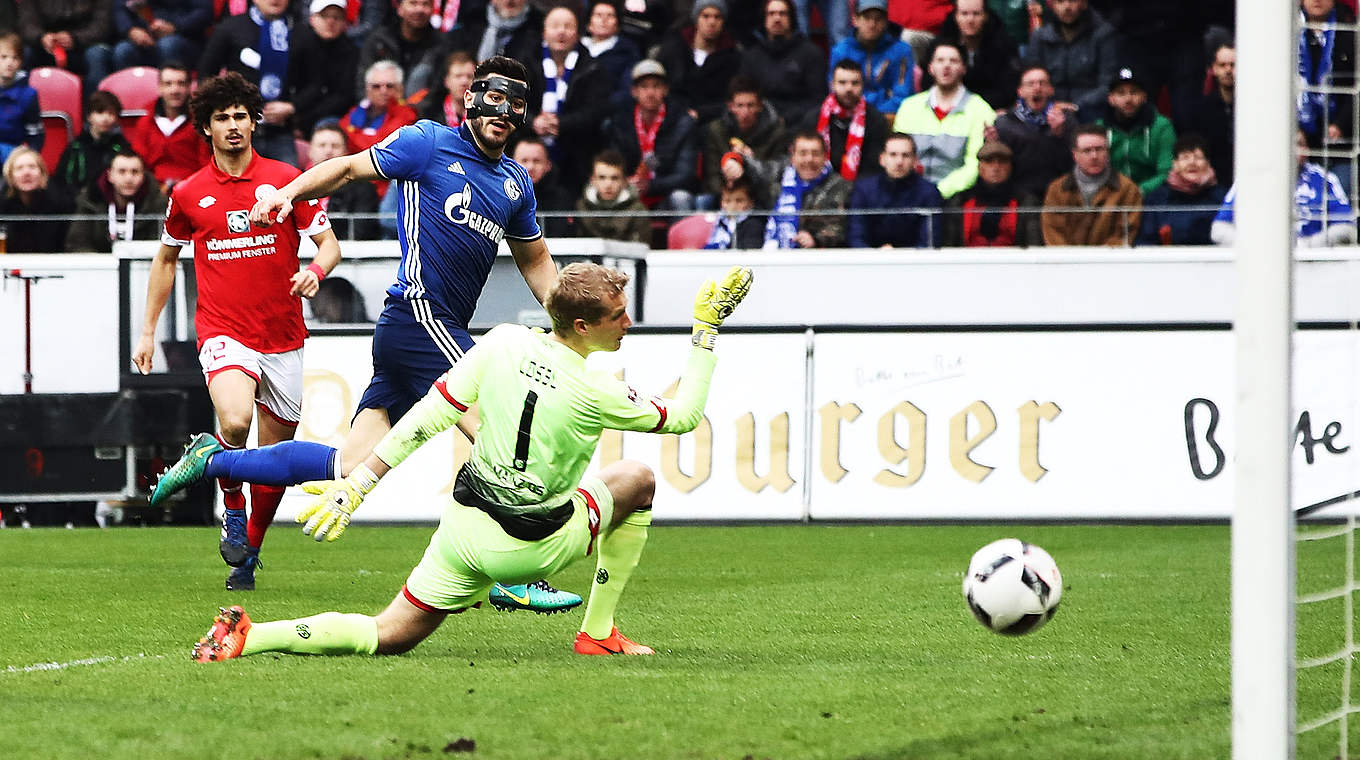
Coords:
pixel 619 553
pixel 327 633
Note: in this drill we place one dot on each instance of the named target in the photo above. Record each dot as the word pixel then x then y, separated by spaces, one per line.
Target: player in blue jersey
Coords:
pixel 1325 216
pixel 460 195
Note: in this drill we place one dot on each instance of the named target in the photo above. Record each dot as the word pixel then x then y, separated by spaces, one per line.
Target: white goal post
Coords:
pixel 1263 711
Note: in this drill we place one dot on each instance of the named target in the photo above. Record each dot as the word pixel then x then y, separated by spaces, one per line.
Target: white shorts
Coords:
pixel 278 377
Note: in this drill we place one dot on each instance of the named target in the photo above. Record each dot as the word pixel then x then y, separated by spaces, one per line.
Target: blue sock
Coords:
pixel 283 464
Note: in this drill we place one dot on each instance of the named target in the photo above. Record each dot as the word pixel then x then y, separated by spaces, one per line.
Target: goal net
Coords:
pixel 1324 548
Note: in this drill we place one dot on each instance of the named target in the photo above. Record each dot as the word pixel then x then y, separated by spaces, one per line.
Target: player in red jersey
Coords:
pixel 249 318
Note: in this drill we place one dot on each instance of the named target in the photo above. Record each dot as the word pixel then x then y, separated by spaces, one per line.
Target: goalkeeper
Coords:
pixel 521 508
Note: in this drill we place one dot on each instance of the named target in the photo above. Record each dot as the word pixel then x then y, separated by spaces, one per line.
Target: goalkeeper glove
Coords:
pixel 716 301
pixel 329 515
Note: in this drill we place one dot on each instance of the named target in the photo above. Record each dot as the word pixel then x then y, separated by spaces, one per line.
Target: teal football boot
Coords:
pixel 536 597
pixel 188 470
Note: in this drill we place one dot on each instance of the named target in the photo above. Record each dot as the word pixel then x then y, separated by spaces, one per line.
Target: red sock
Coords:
pixel 264 501
pixel 232 496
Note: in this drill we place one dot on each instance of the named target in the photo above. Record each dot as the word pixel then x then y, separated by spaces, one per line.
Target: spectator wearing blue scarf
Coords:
pixel 807 184
pixel 1326 59
pixel 572 97
pixel 737 227
pixel 1037 130
pixel 256 45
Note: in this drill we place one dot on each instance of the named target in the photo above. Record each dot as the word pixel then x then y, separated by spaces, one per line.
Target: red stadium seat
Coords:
pixel 135 88
pixel 59 98
pixel 690 232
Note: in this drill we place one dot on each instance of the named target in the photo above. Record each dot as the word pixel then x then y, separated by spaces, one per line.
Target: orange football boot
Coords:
pixel 614 643
pixel 226 638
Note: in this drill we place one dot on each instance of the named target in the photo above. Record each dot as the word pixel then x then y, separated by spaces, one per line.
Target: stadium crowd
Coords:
pixel 794 124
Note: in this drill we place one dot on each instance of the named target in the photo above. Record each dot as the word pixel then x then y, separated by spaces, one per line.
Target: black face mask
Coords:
pixel 510 91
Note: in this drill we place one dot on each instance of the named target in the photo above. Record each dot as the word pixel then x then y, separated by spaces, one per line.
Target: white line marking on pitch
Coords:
pixel 45 666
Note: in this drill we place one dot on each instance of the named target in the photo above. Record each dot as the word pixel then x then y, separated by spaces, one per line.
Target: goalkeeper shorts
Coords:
pixel 470 551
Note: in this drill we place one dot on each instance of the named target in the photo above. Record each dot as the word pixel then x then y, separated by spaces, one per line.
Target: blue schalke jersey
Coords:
pixel 1317 189
pixel 454 207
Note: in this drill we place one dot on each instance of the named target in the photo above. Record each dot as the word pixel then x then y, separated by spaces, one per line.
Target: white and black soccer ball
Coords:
pixel 1012 587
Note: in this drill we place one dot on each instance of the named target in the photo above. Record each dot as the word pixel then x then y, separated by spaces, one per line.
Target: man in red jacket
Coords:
pixel 165 138
pixel 381 112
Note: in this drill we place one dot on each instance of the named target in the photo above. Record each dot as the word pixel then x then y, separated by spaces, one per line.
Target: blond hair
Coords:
pixel 579 293
pixel 12 42
pixel 8 170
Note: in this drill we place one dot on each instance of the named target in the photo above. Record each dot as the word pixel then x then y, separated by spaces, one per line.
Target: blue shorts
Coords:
pixel 408 356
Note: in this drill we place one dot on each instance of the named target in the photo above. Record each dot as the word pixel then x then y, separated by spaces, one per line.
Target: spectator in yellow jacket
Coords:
pixel 947 123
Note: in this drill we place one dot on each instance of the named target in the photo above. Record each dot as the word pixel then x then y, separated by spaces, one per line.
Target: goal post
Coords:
pixel 1263 712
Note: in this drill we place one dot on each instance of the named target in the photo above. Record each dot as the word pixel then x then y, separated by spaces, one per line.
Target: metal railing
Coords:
pixel 347 222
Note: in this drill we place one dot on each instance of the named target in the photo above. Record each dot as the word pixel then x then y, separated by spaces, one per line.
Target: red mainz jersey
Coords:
pixel 243 271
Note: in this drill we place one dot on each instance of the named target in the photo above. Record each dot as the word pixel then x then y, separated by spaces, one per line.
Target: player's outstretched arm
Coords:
pixel 535 264
pixel 317 182
pixel 158 287
pixel 715 302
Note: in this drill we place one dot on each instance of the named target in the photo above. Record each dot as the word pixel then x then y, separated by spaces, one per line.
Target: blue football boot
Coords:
pixel 232 545
pixel 243 577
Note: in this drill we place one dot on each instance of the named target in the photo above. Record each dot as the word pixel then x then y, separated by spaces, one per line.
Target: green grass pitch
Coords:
pixel 772 642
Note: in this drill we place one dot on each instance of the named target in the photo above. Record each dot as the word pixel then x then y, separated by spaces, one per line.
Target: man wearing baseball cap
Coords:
pixel 659 141
pixel 1140 138
pixel 325 63
pixel 701 59
pixel 994 212
pixel 887 62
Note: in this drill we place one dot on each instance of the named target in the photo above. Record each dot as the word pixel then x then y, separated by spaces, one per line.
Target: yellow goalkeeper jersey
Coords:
pixel 542 413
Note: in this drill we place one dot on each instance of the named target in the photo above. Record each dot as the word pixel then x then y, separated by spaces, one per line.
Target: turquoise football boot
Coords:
pixel 188 470
pixel 536 597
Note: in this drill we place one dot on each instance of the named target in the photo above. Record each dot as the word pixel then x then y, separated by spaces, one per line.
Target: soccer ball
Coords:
pixel 1012 587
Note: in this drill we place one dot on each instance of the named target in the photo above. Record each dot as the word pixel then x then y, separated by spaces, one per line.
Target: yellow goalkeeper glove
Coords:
pixel 329 515
pixel 716 301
